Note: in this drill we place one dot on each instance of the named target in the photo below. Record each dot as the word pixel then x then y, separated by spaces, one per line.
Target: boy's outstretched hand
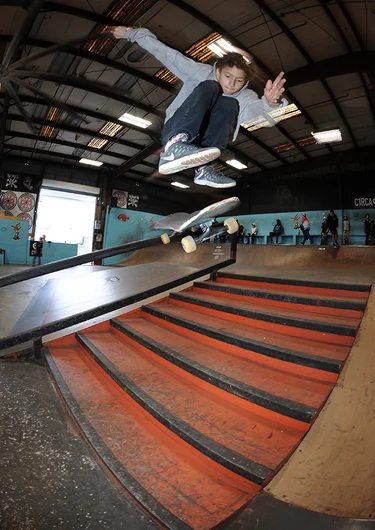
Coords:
pixel 273 91
pixel 118 32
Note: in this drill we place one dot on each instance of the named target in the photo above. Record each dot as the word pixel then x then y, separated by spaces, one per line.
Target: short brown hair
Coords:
pixel 234 59
pixel 255 78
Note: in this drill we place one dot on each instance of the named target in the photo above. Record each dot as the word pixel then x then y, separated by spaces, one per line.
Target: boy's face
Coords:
pixel 231 79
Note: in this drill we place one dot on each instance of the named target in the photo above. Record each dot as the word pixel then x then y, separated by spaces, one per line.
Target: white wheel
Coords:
pixel 165 239
pixel 231 225
pixel 188 244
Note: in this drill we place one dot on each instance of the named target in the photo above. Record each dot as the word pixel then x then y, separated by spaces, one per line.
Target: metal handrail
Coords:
pixel 66 263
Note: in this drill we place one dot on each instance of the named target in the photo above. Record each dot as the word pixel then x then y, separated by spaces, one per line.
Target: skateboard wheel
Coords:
pixel 165 239
pixel 231 225
pixel 188 244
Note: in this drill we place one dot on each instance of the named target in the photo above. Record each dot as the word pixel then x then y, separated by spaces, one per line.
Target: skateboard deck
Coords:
pixel 181 221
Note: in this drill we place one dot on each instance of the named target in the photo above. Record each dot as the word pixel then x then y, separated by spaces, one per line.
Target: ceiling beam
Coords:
pixel 89 86
pixel 137 159
pixel 78 130
pixel 101 59
pixel 348 63
pixel 74 145
pixel 89 112
pixel 80 13
pixel 349 48
pixel 22 32
pixel 360 154
pixel 293 39
pixel 72 158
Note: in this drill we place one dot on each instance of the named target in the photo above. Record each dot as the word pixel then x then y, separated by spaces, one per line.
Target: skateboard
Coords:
pixel 199 224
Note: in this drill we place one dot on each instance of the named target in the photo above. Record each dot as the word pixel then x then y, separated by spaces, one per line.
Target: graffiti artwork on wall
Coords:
pixel 16 230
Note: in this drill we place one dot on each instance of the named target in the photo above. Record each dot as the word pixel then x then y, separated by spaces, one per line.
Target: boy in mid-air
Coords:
pixel 207 112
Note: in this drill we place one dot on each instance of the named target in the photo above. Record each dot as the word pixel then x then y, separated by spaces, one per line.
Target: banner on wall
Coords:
pixel 19 196
pixel 364 201
pixel 125 199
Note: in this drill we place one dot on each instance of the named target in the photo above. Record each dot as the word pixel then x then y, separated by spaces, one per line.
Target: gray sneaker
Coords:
pixel 182 155
pixel 210 176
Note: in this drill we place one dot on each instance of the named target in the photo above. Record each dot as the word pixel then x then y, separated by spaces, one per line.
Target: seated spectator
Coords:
pixel 277 231
pixel 253 233
pixel 368 230
pixel 346 229
pixel 324 230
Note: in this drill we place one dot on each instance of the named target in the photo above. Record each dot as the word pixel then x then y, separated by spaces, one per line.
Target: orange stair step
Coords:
pixel 223 425
pixel 177 484
pixel 329 289
pixel 268 385
pixel 340 330
pixel 300 302
pixel 319 355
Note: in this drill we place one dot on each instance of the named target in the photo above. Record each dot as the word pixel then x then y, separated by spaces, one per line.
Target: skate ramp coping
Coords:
pixel 206 254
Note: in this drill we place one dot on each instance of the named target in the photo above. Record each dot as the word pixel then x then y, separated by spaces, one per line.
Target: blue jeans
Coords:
pixel 208 117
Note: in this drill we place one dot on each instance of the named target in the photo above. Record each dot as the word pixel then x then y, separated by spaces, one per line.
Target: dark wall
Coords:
pixel 319 189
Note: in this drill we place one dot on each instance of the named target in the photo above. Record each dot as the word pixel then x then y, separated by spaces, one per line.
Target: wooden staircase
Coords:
pixel 194 402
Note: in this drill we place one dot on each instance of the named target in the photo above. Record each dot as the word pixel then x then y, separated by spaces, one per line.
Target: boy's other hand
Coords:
pixel 118 32
pixel 273 91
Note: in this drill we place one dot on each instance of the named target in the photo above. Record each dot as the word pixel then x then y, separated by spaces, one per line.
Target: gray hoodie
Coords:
pixel 191 73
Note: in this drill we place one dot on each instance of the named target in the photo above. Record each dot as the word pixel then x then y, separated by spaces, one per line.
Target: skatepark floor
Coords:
pixel 336 456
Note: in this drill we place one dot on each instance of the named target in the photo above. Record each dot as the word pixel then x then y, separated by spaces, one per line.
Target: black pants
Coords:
pixel 306 236
pixel 208 117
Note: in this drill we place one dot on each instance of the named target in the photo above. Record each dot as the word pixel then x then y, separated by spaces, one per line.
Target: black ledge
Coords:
pixel 147 501
pixel 296 322
pixel 305 283
pixel 267 513
pixel 282 297
pixel 72 320
pixel 283 354
pixel 225 457
pixel 259 397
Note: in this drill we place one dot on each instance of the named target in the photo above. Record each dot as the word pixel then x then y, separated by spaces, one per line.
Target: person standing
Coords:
pixel 368 229
pixel 38 251
pixel 305 227
pixel 241 233
pixel 208 111
pixel 333 224
pixel 346 229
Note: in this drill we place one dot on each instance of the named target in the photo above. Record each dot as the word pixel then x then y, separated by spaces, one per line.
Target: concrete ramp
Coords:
pixel 304 256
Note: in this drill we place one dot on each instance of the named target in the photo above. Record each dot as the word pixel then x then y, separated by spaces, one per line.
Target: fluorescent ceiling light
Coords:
pixel 134 120
pixel 179 185
pixel 221 47
pixel 98 143
pixel 90 162
pixel 325 137
pixel 236 164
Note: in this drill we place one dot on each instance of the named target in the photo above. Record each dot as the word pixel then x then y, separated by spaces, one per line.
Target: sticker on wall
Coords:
pixel 133 201
pixel 122 198
pixel 22 182
pixel 16 230
pixel 8 200
pixel 20 205
pixel 123 217
pixel 26 217
pixel 26 202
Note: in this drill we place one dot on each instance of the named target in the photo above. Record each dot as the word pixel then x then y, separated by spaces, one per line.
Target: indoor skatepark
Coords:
pixel 315 334
pixel 146 388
